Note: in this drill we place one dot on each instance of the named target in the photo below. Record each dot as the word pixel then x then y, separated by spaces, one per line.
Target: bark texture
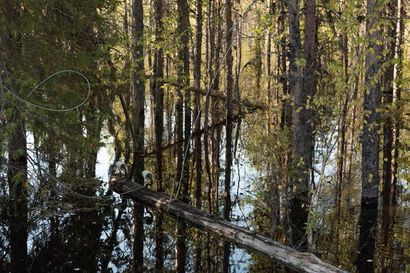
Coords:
pixel 370 142
pixel 138 126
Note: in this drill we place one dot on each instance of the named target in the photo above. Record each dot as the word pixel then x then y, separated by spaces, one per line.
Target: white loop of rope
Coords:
pixel 47 79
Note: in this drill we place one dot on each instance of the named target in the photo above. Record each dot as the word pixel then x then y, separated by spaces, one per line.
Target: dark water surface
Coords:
pixel 76 231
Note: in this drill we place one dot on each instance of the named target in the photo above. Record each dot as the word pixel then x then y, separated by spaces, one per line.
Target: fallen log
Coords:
pixel 289 257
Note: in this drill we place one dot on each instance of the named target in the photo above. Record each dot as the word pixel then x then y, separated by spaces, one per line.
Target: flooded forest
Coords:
pixel 232 136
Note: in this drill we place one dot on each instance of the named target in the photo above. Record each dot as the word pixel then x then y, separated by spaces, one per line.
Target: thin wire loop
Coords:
pixel 47 79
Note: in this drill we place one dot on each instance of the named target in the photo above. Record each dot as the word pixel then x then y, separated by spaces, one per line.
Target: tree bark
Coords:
pixel 183 131
pixel 197 124
pixel 138 85
pixel 388 190
pixel 18 185
pixel 229 128
pixel 370 142
pixel 158 92
pixel 302 90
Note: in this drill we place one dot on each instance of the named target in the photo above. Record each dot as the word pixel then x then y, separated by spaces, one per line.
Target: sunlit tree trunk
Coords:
pixel 210 38
pixel 138 88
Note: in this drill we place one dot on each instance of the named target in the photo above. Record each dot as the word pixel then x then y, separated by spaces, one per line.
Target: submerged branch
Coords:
pixel 252 106
pixel 196 133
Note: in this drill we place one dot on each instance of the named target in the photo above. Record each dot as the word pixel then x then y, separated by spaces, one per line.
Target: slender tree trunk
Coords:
pixel 397 96
pixel 229 127
pixel 269 56
pixel 183 156
pixel 238 58
pixel 211 40
pixel 352 137
pixel 342 138
pixel 302 141
pixel 18 185
pixel 370 142
pixel 138 126
pixel 216 112
pixel 52 182
pixel 209 61
pixel 388 194
pixel 197 120
pixel 159 127
pixel 286 112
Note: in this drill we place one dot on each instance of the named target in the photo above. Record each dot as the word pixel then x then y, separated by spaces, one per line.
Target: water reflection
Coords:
pixel 91 231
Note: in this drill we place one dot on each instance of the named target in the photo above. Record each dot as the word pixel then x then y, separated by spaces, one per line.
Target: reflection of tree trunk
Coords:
pixel 229 128
pixel 138 126
pixel 112 240
pixel 87 224
pixel 370 143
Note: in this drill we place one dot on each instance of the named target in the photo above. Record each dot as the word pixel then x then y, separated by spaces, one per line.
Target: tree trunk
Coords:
pixel 229 127
pixel 302 90
pixel 159 127
pixel 138 126
pixel 183 97
pixel 197 124
pixel 286 112
pixel 18 185
pixel 370 142
pixel 388 191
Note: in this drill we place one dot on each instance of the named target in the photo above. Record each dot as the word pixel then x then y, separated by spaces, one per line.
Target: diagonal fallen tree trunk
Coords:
pixel 291 258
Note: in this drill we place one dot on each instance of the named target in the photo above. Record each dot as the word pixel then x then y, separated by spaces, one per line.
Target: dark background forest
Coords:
pixel 286 117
